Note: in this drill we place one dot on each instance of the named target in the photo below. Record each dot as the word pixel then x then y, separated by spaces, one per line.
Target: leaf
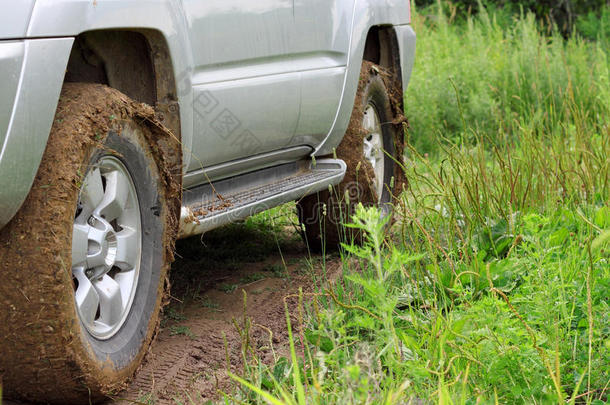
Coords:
pixel 602 240
pixel 319 340
pixel 365 322
pixel 558 237
pixel 268 397
pixel 279 370
pixel 602 217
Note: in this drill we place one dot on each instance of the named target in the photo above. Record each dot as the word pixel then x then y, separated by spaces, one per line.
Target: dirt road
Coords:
pixel 201 325
pixel 199 332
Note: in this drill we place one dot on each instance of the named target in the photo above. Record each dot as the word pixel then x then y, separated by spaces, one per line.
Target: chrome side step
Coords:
pixel 209 206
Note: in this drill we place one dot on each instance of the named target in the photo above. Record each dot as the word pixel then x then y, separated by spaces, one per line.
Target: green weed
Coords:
pixel 228 288
pixel 174 315
pixel 277 269
pixel 250 278
pixel 181 330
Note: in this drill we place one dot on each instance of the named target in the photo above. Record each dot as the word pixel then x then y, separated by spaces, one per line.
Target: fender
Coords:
pixel 14 19
pixel 367 14
pixel 69 18
pixel 47 41
pixel 37 79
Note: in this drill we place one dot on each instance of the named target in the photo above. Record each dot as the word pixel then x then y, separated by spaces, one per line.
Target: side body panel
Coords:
pixel 246 90
pixel 328 72
pixel 323 34
pixel 38 88
pixel 69 18
pixel 11 64
pixel 14 18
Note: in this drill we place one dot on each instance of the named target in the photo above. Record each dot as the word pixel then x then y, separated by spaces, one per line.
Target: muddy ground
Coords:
pixel 268 260
pixel 188 361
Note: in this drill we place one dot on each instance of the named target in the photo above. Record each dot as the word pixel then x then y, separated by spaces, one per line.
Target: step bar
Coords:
pixel 212 205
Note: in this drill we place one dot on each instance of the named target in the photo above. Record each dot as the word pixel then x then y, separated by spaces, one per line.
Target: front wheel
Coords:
pixel 372 145
pixel 85 259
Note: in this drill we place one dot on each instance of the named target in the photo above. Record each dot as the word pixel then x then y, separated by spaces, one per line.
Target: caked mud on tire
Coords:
pixel 47 355
pixel 324 213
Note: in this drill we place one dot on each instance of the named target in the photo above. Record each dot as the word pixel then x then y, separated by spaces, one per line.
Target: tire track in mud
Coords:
pixel 192 369
pixel 177 362
pixel 181 366
pixel 188 361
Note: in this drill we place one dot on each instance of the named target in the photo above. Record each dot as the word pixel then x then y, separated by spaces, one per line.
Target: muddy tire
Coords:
pixel 84 261
pixel 372 145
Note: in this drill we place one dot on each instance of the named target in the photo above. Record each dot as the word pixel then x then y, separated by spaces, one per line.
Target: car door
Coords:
pixel 245 85
pixel 323 29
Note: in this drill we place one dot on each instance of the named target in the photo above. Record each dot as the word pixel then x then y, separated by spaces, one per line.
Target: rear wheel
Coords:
pixel 84 260
pixel 371 146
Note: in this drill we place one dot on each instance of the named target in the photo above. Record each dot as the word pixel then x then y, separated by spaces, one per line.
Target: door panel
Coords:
pixel 323 30
pixel 320 95
pixel 246 89
pixel 247 116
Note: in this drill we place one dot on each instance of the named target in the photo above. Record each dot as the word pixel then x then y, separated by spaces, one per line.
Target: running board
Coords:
pixel 211 205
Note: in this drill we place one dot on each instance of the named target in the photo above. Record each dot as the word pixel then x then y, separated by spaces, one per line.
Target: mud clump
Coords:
pixel 350 149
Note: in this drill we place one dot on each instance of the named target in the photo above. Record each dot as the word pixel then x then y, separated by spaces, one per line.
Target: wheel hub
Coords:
pixel 101 247
pixel 106 248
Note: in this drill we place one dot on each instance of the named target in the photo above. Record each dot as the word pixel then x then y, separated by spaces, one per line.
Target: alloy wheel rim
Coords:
pixel 373 146
pixel 106 248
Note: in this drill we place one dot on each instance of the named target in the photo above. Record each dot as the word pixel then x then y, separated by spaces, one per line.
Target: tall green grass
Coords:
pixel 493 80
pixel 494 284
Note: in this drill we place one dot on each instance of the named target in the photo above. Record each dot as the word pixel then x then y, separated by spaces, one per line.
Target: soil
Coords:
pixel 199 330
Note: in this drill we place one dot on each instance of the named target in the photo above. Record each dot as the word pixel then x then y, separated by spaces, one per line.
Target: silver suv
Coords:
pixel 125 125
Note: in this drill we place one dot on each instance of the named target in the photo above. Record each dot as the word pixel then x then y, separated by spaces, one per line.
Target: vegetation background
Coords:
pixel 563 13
pixel 493 286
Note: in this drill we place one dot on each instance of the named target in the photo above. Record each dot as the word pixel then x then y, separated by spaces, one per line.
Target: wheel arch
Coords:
pixel 392 46
pixel 137 63
pixel 381 48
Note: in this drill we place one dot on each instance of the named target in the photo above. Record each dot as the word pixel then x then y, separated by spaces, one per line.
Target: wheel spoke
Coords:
pixel 79 243
pixel 368 147
pixel 115 195
pixel 128 249
pixel 373 147
pixel 87 299
pixel 125 279
pixel 93 191
pixel 111 301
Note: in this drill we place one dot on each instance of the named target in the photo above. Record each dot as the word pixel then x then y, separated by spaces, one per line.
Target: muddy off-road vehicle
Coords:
pixel 125 125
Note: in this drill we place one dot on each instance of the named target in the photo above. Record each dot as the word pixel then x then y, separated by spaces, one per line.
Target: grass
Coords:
pixel 494 284
pixel 174 315
pixel 277 270
pixel 251 278
pixel 509 80
pixel 228 288
pixel 176 330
